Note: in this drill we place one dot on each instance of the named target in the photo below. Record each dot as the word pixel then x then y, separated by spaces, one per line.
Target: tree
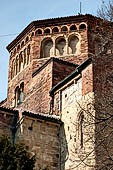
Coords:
pixel 106 10
pixel 14 158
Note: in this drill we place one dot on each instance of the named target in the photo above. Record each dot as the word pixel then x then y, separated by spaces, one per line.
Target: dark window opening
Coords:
pixel 39 32
pixel 82 26
pixel 73 28
pixel 64 29
pixel 47 31
pixel 55 29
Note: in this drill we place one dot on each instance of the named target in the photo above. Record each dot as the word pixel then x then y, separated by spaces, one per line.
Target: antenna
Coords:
pixel 80 7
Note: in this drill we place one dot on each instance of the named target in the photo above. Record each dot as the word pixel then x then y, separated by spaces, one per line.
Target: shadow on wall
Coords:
pixel 64 148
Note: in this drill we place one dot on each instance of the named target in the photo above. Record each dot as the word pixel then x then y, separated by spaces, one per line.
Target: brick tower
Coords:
pixel 60 75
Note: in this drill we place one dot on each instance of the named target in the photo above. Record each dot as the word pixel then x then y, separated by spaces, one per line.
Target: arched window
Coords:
pixel 47 48
pixel 32 34
pixel 28 54
pixel 19 94
pixel 82 27
pixel 25 63
pixel 13 69
pixel 60 46
pixel 18 48
pixel 73 42
pixel 39 32
pixel 81 130
pixel 73 28
pixel 20 62
pixel 22 44
pixel 55 30
pixel 14 51
pixel 16 96
pixel 16 65
pixel 27 39
pixel 64 29
pixel 47 31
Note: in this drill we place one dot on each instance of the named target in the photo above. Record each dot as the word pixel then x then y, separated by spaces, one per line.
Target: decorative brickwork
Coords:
pixel 60 85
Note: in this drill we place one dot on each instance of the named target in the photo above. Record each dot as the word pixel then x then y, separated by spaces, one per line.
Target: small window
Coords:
pixel 19 94
pixel 27 39
pixel 60 46
pixel 55 30
pixel 64 29
pixel 47 31
pixel 14 51
pixel 20 62
pixel 73 28
pixel 28 54
pixel 22 44
pixel 32 34
pixel 18 48
pixel 39 32
pixel 81 130
pixel 82 27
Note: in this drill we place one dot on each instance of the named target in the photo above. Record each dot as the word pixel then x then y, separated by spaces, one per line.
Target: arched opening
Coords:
pixel 39 32
pixel 72 42
pixel 28 54
pixel 22 44
pixel 82 27
pixel 47 31
pixel 16 96
pixel 47 48
pixel 27 39
pixel 14 51
pixel 64 29
pixel 73 28
pixel 19 94
pixel 60 46
pixel 32 34
pixel 18 47
pixel 81 130
pixel 25 56
pixel 20 62
pixel 13 69
pixel 55 30
pixel 16 65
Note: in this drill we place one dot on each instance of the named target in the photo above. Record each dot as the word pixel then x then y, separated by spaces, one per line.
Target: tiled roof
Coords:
pixel 42 116
pixel 47 117
pixel 10 110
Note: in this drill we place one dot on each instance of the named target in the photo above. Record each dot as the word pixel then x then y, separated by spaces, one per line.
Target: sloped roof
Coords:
pixel 50 60
pixel 42 116
pixel 71 76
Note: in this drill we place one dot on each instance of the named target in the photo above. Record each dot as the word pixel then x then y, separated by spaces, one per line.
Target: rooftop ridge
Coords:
pixel 48 61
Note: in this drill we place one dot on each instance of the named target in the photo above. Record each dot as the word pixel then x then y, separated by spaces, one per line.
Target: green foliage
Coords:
pixel 14 158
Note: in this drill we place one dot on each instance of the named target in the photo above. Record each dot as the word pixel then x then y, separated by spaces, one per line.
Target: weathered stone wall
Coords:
pixel 42 137
pixel 74 154
pixel 6 120
pixel 71 102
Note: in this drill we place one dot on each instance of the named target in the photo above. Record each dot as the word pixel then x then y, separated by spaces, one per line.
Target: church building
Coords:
pixel 60 88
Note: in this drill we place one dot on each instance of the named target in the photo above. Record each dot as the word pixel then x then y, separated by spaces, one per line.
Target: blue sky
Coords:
pixel 16 15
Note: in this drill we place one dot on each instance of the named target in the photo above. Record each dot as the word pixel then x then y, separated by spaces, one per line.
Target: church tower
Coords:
pixel 42 55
